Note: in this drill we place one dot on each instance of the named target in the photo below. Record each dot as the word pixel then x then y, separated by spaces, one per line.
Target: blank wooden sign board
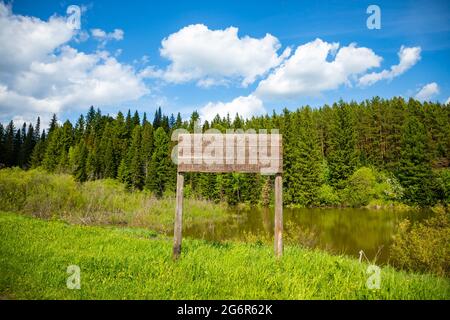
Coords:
pixel 231 152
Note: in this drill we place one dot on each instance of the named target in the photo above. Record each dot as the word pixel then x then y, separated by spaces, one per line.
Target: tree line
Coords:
pixel 343 154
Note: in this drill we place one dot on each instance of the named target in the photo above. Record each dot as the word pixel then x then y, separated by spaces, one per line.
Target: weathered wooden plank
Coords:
pixel 251 153
pixel 224 168
pixel 178 217
pixel 278 234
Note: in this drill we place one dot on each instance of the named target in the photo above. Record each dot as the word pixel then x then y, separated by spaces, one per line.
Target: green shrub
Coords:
pixel 366 184
pixel 443 181
pixel 327 196
pixel 423 246
pixel 360 187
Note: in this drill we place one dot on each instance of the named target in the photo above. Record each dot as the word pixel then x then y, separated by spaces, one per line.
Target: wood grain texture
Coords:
pixel 248 153
pixel 278 234
pixel 178 217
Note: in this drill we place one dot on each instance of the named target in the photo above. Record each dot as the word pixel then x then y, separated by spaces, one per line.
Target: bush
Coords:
pixel 443 181
pixel 423 246
pixel 327 196
pixel 360 187
pixel 367 184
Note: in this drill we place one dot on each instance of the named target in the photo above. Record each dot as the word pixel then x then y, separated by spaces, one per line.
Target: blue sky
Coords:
pixel 192 75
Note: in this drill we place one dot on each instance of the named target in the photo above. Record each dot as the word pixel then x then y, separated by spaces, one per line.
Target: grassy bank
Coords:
pixel 58 196
pixel 133 264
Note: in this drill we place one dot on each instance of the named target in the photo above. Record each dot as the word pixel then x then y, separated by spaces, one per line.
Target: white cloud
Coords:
pixel 427 92
pixel 448 101
pixel 104 37
pixel 99 34
pixel 245 106
pixel 217 57
pixel 309 71
pixel 41 74
pixel 408 58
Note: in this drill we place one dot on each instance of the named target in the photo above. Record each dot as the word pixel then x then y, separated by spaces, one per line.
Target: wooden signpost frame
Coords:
pixel 278 229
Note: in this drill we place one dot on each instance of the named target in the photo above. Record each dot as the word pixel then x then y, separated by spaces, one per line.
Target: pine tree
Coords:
pixel 343 156
pixel 414 172
pixel 37 130
pixel 136 120
pixel 90 118
pixel 144 119
pixel 165 124
pixel 27 147
pixel 39 150
pixel 123 175
pixel 53 124
pixel 160 164
pixel 66 141
pixel 53 150
pixel 78 159
pixel 179 121
pixel 136 168
pixel 79 129
pixel 8 146
pixel 172 121
pixel 147 148
pixel 129 125
pixel 17 146
pixel 2 147
pixel 305 171
pixel 157 120
pixel 108 153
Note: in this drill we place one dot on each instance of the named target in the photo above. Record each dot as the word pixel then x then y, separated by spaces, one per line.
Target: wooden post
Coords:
pixel 278 235
pixel 178 217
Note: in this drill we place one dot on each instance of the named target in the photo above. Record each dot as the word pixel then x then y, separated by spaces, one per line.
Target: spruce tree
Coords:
pixel 147 148
pixel 136 168
pixel 343 156
pixel 78 159
pixel 2 150
pixel 79 129
pixel 37 130
pixel 8 145
pixel 415 172
pixel 179 121
pixel 17 146
pixel 53 124
pixel 108 153
pixel 136 120
pixel 157 120
pixel 27 147
pixel 53 150
pixel 160 164
pixel 305 172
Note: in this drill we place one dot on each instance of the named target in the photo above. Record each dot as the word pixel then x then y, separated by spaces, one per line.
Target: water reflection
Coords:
pixel 344 231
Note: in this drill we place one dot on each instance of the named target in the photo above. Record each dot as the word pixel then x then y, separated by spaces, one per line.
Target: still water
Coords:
pixel 340 231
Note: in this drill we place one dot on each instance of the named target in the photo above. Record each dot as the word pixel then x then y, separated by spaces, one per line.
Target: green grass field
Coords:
pixel 125 263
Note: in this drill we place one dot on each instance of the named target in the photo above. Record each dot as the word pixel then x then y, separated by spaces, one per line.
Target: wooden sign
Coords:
pixel 258 153
pixel 233 152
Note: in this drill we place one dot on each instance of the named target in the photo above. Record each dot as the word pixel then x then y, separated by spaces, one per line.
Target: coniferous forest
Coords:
pixel 352 154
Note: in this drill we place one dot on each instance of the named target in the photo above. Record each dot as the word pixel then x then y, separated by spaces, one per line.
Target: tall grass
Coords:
pixel 58 196
pixel 123 263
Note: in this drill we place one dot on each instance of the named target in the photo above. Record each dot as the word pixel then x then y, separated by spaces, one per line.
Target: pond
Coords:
pixel 340 231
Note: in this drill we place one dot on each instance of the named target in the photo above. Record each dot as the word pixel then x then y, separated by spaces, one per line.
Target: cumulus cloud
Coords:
pixel 427 92
pixel 218 57
pixel 41 74
pixel 315 67
pixel 408 58
pixel 448 101
pixel 104 37
pixel 246 106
